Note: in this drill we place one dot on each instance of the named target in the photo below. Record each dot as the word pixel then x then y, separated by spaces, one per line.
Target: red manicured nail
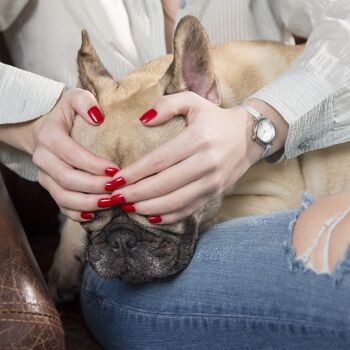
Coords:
pixel 154 219
pixel 118 199
pixel 95 115
pixel 114 184
pixel 149 115
pixel 111 171
pixel 109 187
pixel 128 208
pixel 86 215
pixel 104 203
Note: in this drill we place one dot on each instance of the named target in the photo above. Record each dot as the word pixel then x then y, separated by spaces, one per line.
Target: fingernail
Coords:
pixel 104 203
pixel 154 219
pixel 149 115
pixel 114 184
pixel 86 215
pixel 128 208
pixel 111 171
pixel 95 115
pixel 118 199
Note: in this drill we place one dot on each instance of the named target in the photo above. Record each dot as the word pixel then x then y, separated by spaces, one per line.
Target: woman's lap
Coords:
pixel 238 292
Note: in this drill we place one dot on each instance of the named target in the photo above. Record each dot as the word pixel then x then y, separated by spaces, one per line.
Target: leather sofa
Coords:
pixel 28 317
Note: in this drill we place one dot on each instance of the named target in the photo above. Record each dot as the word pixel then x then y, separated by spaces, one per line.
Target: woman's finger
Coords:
pixel 167 180
pixel 78 216
pixel 164 156
pixel 180 215
pixel 73 200
pixel 179 199
pixel 68 177
pixel 69 151
pixel 170 105
pixel 85 104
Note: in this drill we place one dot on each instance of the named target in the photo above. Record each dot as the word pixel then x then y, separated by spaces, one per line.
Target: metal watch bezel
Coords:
pixel 256 127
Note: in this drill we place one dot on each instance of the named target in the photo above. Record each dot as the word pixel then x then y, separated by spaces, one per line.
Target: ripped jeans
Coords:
pixel 244 289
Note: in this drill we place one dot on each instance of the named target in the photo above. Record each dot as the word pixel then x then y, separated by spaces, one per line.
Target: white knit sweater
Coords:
pixel 313 95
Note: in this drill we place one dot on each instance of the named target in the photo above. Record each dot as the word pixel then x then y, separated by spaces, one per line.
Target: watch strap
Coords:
pixel 257 116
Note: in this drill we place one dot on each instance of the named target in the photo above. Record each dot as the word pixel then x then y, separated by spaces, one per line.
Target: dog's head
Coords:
pixel 126 244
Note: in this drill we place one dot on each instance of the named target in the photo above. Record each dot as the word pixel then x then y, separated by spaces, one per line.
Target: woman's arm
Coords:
pixel 313 96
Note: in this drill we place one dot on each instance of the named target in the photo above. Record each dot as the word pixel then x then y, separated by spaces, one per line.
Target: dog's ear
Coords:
pixel 93 75
pixel 192 68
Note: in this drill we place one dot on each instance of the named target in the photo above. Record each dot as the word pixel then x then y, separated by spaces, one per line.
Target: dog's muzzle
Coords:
pixel 126 250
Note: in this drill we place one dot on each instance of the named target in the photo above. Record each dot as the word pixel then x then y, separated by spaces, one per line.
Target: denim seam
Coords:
pixel 250 317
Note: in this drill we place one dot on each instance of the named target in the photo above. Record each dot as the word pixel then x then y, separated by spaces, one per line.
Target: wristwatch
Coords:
pixel 264 131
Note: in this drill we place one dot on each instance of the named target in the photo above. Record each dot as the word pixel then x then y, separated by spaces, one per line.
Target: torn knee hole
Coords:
pixel 320 245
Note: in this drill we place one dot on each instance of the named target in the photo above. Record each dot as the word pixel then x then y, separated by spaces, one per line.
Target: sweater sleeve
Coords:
pixel 313 96
pixel 24 96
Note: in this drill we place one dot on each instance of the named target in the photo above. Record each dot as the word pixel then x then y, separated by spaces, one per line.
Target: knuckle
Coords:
pixel 176 205
pixel 36 158
pixel 64 211
pixel 213 160
pixel 165 103
pixel 190 95
pixel 158 164
pixel 63 179
pixel 171 219
pixel 59 198
pixel 82 96
pixel 41 178
pixel 215 184
pixel 204 139
pixel 41 138
pixel 187 212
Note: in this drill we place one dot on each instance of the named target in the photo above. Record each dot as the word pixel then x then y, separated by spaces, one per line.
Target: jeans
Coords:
pixel 244 289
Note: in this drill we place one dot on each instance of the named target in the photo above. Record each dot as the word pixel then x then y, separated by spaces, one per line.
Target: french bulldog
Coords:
pixel 126 245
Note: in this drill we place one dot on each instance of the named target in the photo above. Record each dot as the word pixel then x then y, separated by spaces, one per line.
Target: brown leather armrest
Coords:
pixel 28 318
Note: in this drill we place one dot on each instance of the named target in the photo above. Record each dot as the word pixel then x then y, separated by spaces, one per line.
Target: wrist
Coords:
pixel 22 136
pixel 253 151
pixel 33 139
pixel 274 116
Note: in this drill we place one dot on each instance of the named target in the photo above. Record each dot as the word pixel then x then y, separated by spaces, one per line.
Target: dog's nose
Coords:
pixel 122 241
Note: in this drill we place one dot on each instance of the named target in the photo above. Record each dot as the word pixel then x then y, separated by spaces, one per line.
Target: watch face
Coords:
pixel 265 131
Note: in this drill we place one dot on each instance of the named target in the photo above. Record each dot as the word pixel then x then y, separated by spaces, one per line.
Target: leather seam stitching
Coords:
pixel 29 313
pixel 33 322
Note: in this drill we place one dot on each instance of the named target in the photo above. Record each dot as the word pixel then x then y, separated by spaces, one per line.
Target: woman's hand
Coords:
pixel 182 175
pixel 73 176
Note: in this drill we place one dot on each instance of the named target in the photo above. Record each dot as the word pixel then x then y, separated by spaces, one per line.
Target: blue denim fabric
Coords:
pixel 242 290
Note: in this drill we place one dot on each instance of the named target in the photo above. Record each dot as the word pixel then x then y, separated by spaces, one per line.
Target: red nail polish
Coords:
pixel 128 208
pixel 86 215
pixel 111 171
pixel 114 184
pixel 149 115
pixel 118 199
pixel 154 219
pixel 104 203
pixel 95 115
pixel 108 187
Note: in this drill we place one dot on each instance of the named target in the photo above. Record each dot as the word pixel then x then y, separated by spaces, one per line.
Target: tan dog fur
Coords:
pixel 238 69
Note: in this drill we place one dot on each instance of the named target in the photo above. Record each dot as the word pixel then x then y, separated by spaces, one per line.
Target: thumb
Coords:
pixel 169 106
pixel 85 104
